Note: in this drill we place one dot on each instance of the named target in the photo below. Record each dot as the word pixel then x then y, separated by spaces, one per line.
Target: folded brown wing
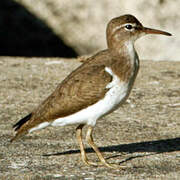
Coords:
pixel 82 88
pixel 79 90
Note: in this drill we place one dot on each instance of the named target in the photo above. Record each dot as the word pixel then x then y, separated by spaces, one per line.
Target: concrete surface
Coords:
pixel 142 135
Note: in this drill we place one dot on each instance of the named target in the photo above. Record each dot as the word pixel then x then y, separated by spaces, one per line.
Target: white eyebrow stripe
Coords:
pixel 123 25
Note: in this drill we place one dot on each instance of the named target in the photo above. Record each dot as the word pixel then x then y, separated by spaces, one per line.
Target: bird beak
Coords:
pixel 155 31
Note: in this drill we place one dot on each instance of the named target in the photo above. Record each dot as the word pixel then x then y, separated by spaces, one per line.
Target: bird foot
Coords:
pixel 90 163
pixel 109 165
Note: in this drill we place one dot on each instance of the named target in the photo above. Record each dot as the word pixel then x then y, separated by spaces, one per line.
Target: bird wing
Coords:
pixel 82 88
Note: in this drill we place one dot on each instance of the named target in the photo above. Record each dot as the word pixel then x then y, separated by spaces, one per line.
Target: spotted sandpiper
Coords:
pixel 96 88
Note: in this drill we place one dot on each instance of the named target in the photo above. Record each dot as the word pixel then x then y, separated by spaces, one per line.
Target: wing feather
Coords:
pixel 82 88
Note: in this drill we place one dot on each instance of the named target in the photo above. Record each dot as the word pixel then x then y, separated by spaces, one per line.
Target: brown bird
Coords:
pixel 96 88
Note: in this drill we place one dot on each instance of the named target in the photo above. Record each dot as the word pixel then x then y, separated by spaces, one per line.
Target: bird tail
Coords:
pixel 19 124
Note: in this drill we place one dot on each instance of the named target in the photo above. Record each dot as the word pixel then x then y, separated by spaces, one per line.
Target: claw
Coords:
pixel 89 139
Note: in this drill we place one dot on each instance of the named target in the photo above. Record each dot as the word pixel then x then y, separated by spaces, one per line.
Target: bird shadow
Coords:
pixel 150 147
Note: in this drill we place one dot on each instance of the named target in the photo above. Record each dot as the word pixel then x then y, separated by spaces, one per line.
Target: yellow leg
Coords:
pixel 83 153
pixel 100 156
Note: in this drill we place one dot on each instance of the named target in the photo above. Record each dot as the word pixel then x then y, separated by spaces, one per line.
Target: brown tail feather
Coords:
pixel 19 124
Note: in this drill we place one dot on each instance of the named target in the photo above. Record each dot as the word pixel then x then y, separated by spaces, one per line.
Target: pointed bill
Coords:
pixel 155 31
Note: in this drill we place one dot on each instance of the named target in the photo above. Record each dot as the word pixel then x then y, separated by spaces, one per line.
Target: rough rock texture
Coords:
pixel 142 135
pixel 82 24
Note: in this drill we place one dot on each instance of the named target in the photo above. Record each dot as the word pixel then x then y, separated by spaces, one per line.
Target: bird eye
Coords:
pixel 128 27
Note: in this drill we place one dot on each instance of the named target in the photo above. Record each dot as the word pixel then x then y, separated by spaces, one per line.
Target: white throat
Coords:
pixel 130 48
pixel 131 52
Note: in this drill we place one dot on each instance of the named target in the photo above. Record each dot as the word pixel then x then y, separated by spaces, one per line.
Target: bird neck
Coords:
pixel 124 49
pixel 127 58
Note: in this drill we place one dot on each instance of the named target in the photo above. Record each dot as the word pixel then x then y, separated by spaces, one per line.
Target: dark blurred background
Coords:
pixel 23 34
pixel 66 28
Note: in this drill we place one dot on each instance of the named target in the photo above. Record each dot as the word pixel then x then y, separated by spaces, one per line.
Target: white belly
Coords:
pixel 118 91
pixel 115 96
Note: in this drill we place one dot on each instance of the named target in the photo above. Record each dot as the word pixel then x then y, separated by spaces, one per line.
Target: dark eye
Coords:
pixel 128 27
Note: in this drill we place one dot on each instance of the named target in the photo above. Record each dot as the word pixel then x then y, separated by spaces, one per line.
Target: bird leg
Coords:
pixel 83 153
pixel 90 140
